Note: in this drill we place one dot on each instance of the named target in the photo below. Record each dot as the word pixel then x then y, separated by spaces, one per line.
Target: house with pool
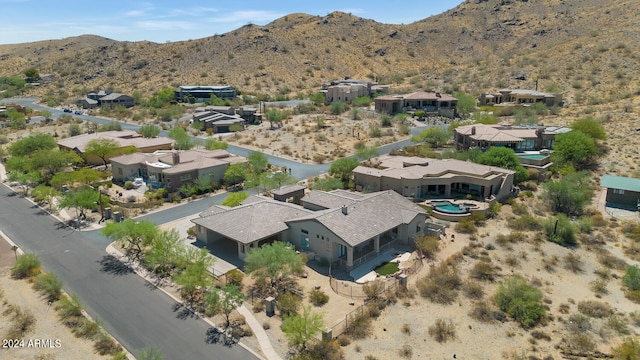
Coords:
pixel 344 228
pixel 425 178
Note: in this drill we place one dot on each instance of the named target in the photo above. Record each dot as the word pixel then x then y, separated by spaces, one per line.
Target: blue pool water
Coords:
pixel 533 156
pixel 449 208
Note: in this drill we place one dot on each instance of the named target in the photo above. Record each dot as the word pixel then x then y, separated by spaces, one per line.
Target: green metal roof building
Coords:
pixel 622 190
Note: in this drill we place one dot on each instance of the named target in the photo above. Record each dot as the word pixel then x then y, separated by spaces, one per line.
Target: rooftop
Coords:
pixel 620 182
pixel 124 138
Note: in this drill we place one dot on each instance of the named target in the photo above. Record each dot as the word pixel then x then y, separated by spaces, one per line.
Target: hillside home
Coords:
pixel 518 138
pixel 512 97
pixel 203 93
pixel 426 178
pixel 105 97
pixel 348 90
pixel 622 191
pixel 348 234
pixel 217 118
pixel 171 170
pixel 432 103
pixel 126 138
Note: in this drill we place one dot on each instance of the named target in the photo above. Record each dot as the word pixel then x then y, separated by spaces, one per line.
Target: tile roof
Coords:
pixel 331 199
pixel 423 95
pixel 497 133
pixel 288 189
pixel 124 138
pixel 620 182
pixel 254 221
pixel 366 217
pixel 113 96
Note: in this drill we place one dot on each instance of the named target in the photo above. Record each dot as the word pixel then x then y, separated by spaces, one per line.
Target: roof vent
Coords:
pixel 344 210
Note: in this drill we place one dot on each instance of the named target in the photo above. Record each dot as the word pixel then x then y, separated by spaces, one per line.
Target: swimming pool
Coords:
pixel 533 156
pixel 449 208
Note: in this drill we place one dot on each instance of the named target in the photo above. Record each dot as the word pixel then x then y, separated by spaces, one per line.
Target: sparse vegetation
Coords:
pixel 442 331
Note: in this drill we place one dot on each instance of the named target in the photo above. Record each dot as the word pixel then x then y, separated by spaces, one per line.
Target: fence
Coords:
pixel 355 290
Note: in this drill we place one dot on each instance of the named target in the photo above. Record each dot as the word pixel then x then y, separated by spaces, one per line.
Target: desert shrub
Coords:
pixel 373 289
pixel 494 210
pixel 318 297
pixel 466 226
pixel 578 323
pixel 427 245
pixel 585 225
pixel 441 284
pixel 628 350
pixel 442 331
pixel 69 307
pixel 619 324
pixel 105 345
pixel 289 304
pixel 573 262
pixel 595 309
pixel 520 300
pixel 406 351
pixel 27 265
pixel 482 312
pixel 514 237
pixel 235 277
pixel 21 322
pixel 87 329
pixel 609 260
pixel 599 286
pixel 473 290
pixel 49 285
pixel 358 325
pixel 526 222
pixel 579 342
pixel 406 329
pixel 325 349
pixel 632 278
pixel 560 230
pixel 483 270
pixel 631 230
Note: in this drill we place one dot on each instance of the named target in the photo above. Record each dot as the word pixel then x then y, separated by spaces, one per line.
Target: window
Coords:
pixel 618 191
pixel 304 231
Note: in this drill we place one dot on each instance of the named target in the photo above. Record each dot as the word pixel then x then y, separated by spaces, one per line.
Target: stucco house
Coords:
pixel 173 169
pixel 622 191
pixel 432 103
pixel 512 97
pixel 203 93
pixel 218 118
pixel 348 90
pixel 425 178
pixel 518 138
pixel 105 97
pixel 126 138
pixel 349 231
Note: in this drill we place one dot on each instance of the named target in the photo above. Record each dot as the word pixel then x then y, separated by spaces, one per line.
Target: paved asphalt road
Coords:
pixel 298 170
pixel 134 312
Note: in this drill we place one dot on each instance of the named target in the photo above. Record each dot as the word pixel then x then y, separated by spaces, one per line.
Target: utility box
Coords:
pixel 107 213
pixel 117 216
pixel 270 306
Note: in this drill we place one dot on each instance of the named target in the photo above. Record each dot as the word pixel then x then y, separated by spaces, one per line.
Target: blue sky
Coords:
pixel 162 21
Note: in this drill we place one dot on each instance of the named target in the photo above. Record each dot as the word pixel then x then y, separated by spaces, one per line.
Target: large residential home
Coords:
pixel 348 90
pixel 203 93
pixel 126 138
pixel 348 229
pixel 426 178
pixel 105 97
pixel 512 97
pixel 432 103
pixel 171 170
pixel 217 118
pixel 518 138
pixel 622 191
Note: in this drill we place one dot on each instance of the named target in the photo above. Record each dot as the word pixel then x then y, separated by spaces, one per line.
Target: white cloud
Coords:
pixel 142 11
pixel 196 12
pixel 249 16
pixel 165 25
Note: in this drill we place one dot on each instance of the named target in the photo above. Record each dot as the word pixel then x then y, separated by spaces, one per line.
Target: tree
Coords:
pixel 428 245
pixel 257 162
pixel 132 235
pixel 162 97
pixel 574 148
pixel 274 116
pixel 223 300
pixel 631 278
pixel 434 136
pixel 342 169
pixel 591 127
pixel 364 152
pixel 213 144
pixel 274 263
pixel 196 274
pixel 32 74
pixel 166 253
pixel 149 131
pixel 338 107
pixel 235 174
pixel 83 199
pixel 505 158
pixel 560 230
pixel 27 179
pixel 466 103
pixel 570 194
pixel 318 98
pixel 327 184
pixel 183 140
pixel 45 193
pixel 102 148
pixel 301 328
pixel 30 144
pixel 520 300
pixel 50 162
pixel 234 199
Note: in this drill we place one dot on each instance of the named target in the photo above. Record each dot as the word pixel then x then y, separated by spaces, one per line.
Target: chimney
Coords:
pixel 344 210
pixel 176 158
pixel 473 130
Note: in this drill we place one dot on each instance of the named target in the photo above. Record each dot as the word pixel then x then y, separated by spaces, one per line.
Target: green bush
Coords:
pixel 520 300
pixel 629 349
pixel 69 307
pixel 466 226
pixel 49 285
pixel 289 304
pixel 235 277
pixel 632 278
pixel 27 265
pixel 560 230
pixel 441 285
pixel 526 222
pixel 318 297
